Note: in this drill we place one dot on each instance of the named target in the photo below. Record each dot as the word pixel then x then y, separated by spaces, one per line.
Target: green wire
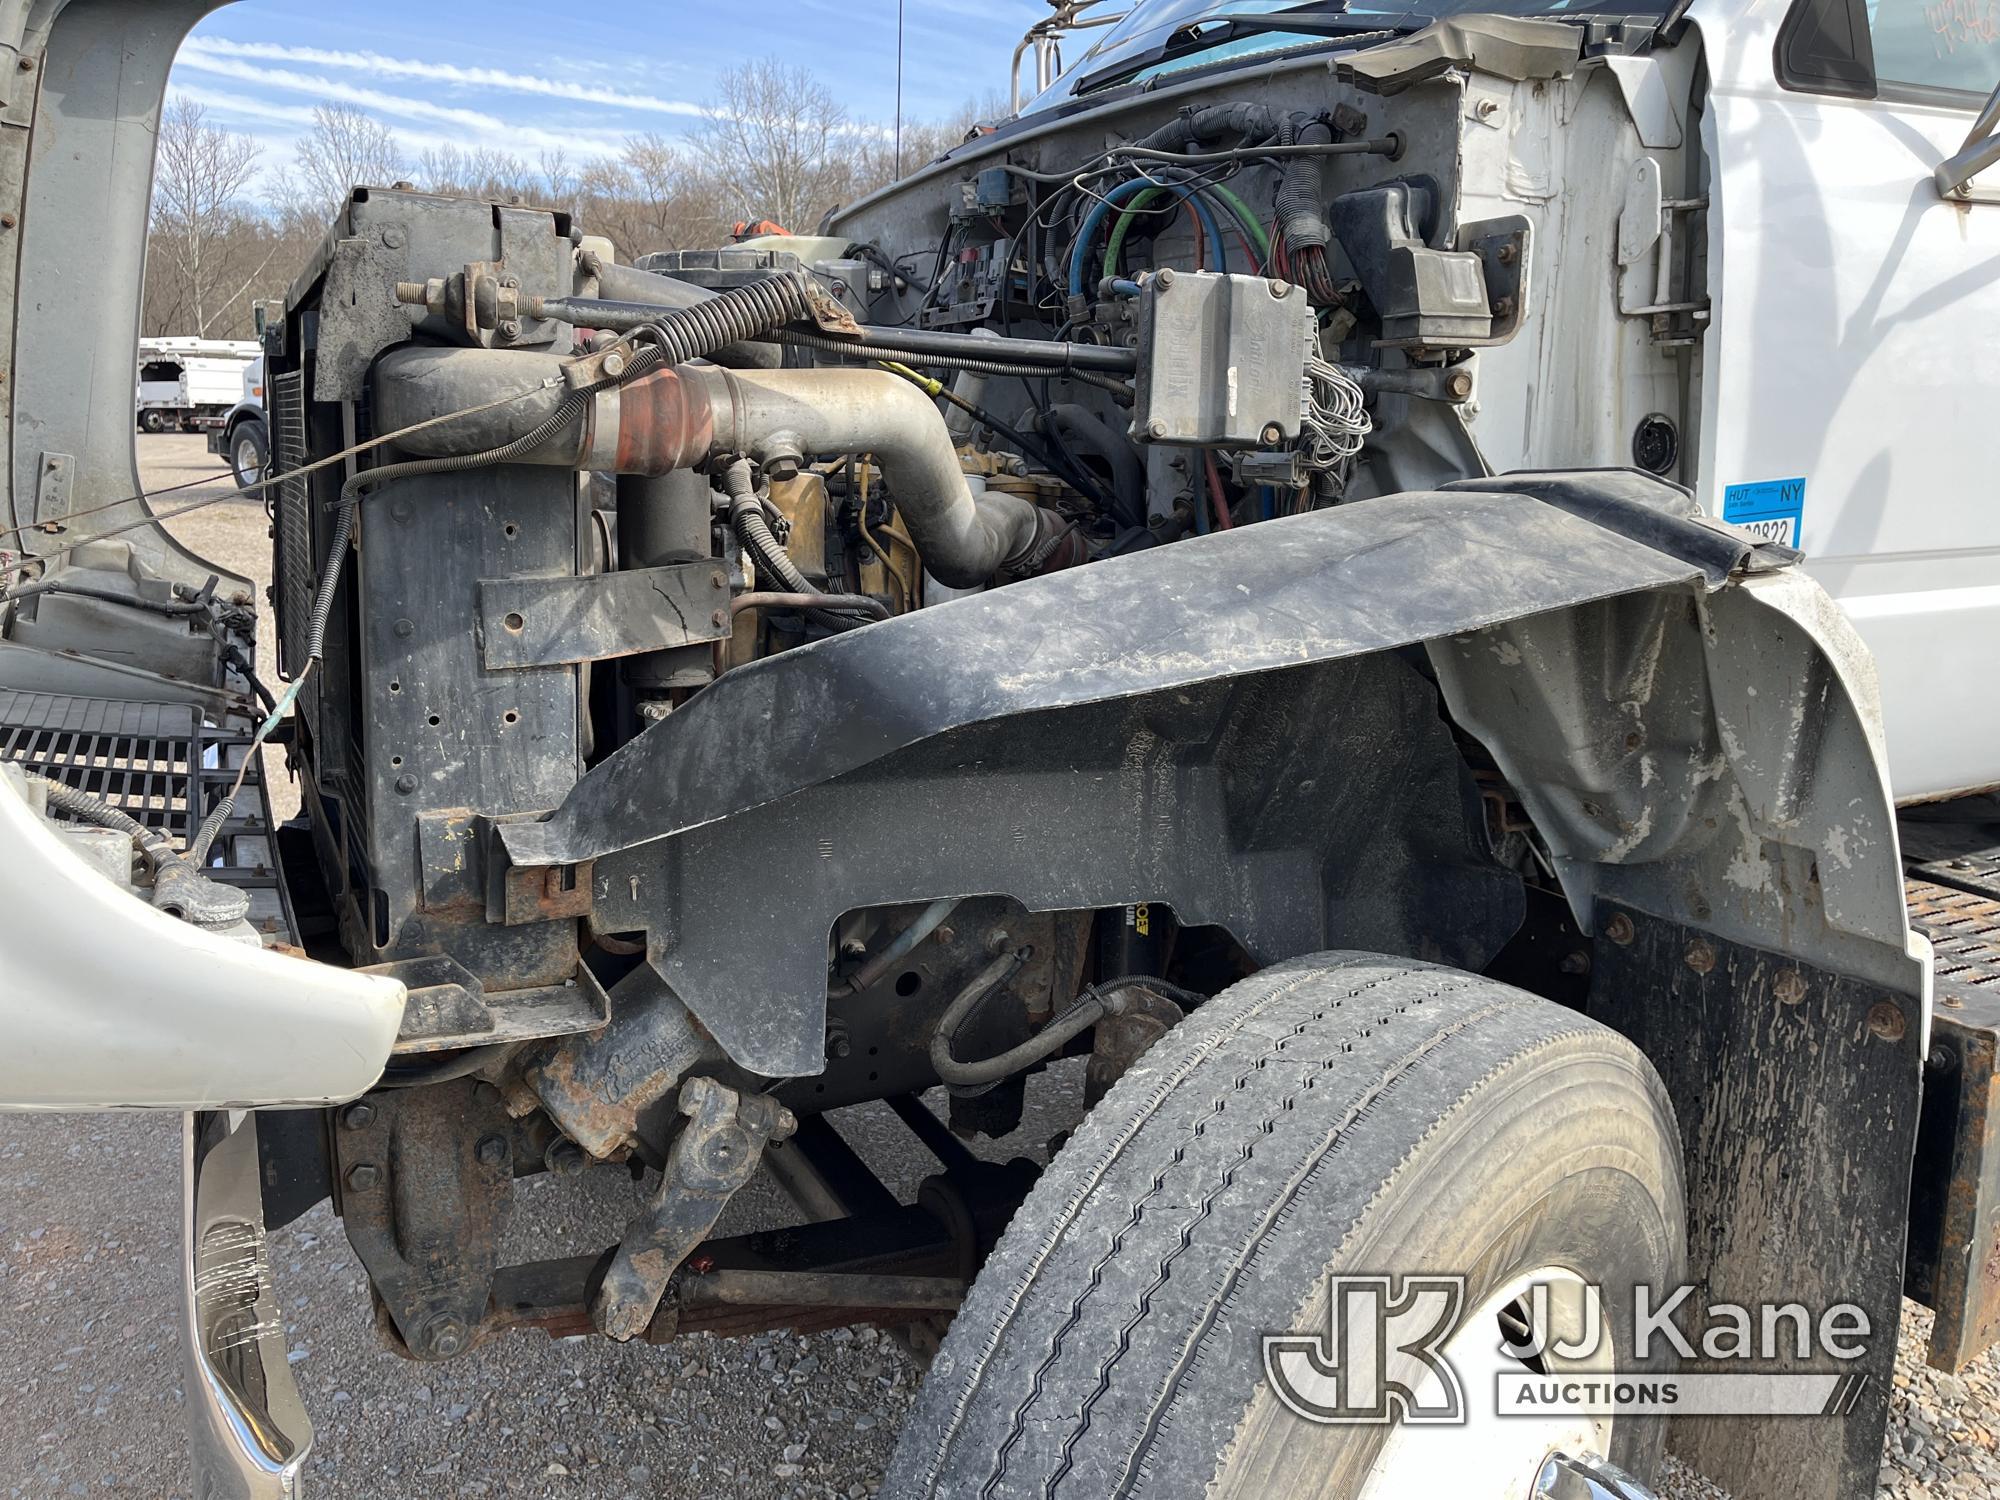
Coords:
pixel 1236 206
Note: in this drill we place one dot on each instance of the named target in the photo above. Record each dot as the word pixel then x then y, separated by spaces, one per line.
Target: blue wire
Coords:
pixel 1094 221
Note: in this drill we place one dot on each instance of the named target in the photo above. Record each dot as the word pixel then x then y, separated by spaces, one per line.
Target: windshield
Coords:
pixel 1150 23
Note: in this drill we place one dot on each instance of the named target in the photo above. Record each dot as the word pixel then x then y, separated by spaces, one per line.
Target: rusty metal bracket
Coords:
pixel 448 1006
pixel 425 1178
pixel 712 1157
pixel 542 622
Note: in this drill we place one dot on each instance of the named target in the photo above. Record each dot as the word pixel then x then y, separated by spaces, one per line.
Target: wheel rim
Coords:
pixel 248 469
pixel 1508 1452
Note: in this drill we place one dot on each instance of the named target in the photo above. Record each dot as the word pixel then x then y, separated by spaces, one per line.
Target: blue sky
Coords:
pixel 526 79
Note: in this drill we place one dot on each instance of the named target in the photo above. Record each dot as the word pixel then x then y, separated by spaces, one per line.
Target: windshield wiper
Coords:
pixel 1329 20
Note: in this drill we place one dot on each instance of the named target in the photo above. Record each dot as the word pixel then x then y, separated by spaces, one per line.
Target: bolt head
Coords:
pixel 1281 290
pixel 406 783
pixel 1886 1023
pixel 1157 429
pixel 1700 956
pixel 510 328
pixel 1164 279
pixel 405 629
pixel 838 1045
pixel 1619 929
pixel 446 1337
pixel 1460 384
pixel 492 1151
pixel 393 237
pixel 565 1159
pixel 1273 435
pixel 358 1116
pixel 1789 987
pixel 614 364
pixel 364 1178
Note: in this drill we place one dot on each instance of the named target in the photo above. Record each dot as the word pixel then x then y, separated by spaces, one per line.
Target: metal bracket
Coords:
pixel 1980 151
pixel 448 1007
pixel 52 490
pixel 426 1178
pixel 541 622
pixel 1653 233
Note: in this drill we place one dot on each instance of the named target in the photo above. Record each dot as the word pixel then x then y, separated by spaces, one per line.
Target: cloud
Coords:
pixel 469 128
pixel 217 50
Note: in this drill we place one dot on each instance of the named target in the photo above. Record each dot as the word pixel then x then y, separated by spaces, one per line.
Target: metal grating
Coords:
pixel 136 756
pixel 294 517
pixel 1964 929
pixel 159 763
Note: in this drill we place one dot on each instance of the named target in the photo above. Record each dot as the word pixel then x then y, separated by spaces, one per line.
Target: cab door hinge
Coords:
pixel 1659 274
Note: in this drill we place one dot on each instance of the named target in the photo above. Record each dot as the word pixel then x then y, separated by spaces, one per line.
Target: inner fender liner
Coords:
pixel 1193 725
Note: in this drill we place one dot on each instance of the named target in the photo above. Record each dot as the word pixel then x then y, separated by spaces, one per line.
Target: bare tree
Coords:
pixel 653 196
pixel 201 176
pixel 344 149
pixel 779 145
pixel 476 174
pixel 875 164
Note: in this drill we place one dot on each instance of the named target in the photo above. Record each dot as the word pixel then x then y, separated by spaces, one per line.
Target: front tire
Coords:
pixel 1343 1113
pixel 249 454
pixel 152 421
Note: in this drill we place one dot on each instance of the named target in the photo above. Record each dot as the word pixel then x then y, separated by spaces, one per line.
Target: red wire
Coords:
pixel 1222 517
pixel 1200 239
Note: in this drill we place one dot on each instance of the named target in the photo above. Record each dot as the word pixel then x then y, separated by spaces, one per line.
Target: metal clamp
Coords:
pixel 1980 151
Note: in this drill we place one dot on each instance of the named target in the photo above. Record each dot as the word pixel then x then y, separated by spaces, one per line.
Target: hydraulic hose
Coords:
pixel 1079 427
pixel 746 518
pixel 1087 235
pixel 928 921
pixel 1044 1044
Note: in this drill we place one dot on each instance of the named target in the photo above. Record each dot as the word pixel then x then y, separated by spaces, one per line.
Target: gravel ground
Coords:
pixel 90 1384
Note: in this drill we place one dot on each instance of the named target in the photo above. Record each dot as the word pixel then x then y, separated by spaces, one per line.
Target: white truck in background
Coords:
pixel 189 383
pixel 243 436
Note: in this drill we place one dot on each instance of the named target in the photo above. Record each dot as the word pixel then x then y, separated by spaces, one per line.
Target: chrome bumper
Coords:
pixel 248 1432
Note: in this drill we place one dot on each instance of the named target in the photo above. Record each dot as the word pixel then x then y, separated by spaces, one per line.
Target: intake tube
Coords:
pixel 686 415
